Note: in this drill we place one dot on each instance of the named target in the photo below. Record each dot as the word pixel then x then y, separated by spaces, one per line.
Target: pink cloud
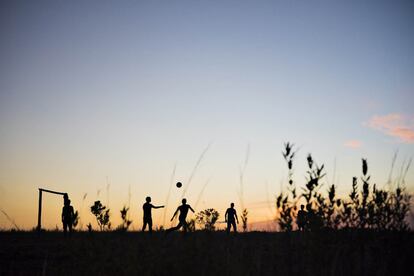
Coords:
pixel 395 125
pixel 353 144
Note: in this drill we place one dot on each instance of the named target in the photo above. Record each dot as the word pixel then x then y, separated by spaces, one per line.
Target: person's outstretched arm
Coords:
pixel 237 218
pixel 157 207
pixel 175 213
pixel 191 208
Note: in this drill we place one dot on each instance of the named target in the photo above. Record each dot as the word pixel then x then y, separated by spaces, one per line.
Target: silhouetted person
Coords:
pixel 67 216
pixel 314 220
pixel 231 218
pixel 183 209
pixel 302 218
pixel 147 213
pixel 65 197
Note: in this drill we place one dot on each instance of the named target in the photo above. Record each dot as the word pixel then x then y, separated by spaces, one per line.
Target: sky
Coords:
pixel 117 100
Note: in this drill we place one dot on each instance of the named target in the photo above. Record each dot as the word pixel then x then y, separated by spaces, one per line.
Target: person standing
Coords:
pixel 147 214
pixel 68 216
pixel 302 218
pixel 231 218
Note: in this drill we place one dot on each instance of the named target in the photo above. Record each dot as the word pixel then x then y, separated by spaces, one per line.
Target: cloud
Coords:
pixel 396 125
pixel 353 144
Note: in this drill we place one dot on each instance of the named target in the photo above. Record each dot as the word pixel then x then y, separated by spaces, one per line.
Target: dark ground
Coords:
pixel 201 253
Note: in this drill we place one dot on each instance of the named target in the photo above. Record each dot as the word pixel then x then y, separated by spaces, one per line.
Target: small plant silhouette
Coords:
pixel 191 225
pixel 89 225
pixel 208 219
pixel 125 221
pixel 75 219
pixel 244 218
pixel 285 203
pixel 102 215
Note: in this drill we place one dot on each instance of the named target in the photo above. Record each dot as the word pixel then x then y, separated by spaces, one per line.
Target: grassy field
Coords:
pixel 203 253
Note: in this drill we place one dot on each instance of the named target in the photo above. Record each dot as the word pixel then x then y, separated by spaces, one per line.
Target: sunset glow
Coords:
pixel 117 102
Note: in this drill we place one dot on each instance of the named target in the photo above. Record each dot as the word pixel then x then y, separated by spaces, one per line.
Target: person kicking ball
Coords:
pixel 183 209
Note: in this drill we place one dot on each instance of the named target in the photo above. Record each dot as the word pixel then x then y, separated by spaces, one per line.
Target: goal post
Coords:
pixel 39 213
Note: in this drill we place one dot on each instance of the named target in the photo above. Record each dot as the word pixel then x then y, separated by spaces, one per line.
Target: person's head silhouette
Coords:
pixel 67 202
pixel 232 205
pixel 148 199
pixel 184 201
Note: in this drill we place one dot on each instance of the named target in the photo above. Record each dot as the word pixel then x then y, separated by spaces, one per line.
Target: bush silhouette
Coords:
pixel 285 202
pixel 102 215
pixel 244 217
pixel 125 219
pixel 208 219
pixel 75 219
pixel 191 225
pixel 368 208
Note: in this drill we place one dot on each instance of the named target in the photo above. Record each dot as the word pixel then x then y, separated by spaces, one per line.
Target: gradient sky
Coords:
pixel 99 96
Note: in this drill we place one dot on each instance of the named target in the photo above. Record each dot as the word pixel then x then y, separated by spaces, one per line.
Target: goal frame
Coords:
pixel 39 212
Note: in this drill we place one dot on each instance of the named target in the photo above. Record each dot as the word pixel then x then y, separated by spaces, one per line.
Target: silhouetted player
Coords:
pixel 231 218
pixel 302 218
pixel 67 216
pixel 147 213
pixel 183 215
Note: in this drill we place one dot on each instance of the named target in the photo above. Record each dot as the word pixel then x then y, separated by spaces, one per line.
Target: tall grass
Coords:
pixel 193 172
pixel 10 219
pixel 366 207
pixel 169 194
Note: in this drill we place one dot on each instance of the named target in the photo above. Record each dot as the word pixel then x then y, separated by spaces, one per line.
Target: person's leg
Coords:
pixel 70 228
pixel 150 225
pixel 185 226
pixel 65 228
pixel 228 227
pixel 174 228
pixel 178 227
pixel 234 227
pixel 144 225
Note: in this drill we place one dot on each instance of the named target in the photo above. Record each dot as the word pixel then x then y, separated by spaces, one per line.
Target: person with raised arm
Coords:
pixel 147 207
pixel 183 209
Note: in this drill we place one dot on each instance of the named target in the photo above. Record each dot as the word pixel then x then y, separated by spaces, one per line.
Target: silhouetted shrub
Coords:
pixel 369 208
pixel 244 218
pixel 191 225
pixel 125 221
pixel 285 203
pixel 208 219
pixel 89 227
pixel 102 215
pixel 75 219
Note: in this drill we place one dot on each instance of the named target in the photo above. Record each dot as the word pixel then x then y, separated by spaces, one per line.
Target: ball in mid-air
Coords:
pixel 179 184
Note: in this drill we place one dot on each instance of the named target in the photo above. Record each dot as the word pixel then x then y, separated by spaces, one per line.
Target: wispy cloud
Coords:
pixel 353 144
pixel 396 125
